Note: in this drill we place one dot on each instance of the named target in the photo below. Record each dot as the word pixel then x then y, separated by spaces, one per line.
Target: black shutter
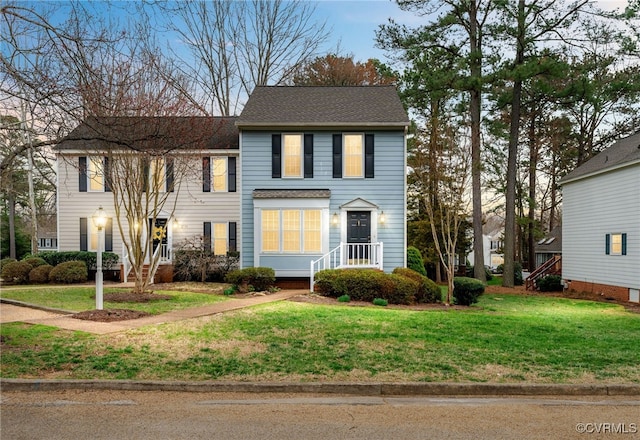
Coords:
pixel 233 242
pixel 276 156
pixel 607 244
pixel 108 236
pixel 169 174
pixel 82 173
pixel 207 236
pixel 83 234
pixel 337 156
pixel 368 156
pixel 308 156
pixel 106 174
pixel 206 174
pixel 231 175
pixel 145 174
pixel 624 244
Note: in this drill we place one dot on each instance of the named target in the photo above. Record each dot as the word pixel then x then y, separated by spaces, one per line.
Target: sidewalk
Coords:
pixel 12 311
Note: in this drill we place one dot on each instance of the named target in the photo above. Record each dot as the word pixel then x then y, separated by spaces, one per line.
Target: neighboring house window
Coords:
pixel 616 244
pixel 353 155
pixel 220 237
pixel 292 155
pixel 291 231
pixel 219 174
pixel 89 235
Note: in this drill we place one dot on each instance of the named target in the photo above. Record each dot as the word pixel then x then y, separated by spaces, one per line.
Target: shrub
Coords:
pixel 325 281
pixel 109 259
pixel 6 261
pixel 415 261
pixel 517 272
pixel 344 298
pixel 69 272
pixel 34 261
pixel 550 283
pixel 466 291
pixel 380 302
pixel 428 292
pixel 487 272
pixel 363 284
pixel 40 274
pixel 16 272
pixel 404 289
pixel 260 278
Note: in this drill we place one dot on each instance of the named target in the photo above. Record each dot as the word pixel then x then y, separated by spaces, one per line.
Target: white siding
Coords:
pixel 593 207
pixel 193 206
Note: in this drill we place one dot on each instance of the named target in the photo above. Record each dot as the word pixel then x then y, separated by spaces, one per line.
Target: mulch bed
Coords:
pixel 112 315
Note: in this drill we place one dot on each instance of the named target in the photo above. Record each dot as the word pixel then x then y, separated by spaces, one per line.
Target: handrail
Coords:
pixel 541 271
pixel 349 255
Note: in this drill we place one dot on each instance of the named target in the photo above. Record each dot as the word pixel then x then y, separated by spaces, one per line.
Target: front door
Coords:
pixel 159 236
pixel 359 236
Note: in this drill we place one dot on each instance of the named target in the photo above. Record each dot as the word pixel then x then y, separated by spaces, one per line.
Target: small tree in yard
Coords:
pixel 447 206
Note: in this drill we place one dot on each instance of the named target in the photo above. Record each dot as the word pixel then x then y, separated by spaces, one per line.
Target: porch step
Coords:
pixel 145 271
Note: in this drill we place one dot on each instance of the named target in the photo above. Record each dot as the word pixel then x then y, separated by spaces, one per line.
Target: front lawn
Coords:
pixel 80 298
pixel 504 338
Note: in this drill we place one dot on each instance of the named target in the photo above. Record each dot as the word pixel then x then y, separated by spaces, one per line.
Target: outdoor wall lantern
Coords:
pixel 334 219
pixel 99 221
pixel 382 217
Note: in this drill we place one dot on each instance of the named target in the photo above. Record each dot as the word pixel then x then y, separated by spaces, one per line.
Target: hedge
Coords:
pixel 466 291
pixel 16 272
pixel 256 278
pixel 109 259
pixel 69 272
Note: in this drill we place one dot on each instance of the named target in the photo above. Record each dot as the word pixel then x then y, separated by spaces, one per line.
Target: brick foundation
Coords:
pixel 164 274
pixel 292 283
pixel 617 292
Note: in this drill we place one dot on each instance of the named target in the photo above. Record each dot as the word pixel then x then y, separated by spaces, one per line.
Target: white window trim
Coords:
pixel 611 251
pixel 344 155
pixel 282 165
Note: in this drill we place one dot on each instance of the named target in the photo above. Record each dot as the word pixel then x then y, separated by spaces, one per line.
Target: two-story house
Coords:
pixel 323 179
pixel 198 157
pixel 306 178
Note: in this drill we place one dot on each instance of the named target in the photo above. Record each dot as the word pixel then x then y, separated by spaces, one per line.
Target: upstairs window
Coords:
pixel 353 155
pixel 292 155
pixel 219 174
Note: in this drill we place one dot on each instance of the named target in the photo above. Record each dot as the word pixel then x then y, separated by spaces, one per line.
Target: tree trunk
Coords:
pixel 12 224
pixel 474 109
pixel 533 165
pixel 510 214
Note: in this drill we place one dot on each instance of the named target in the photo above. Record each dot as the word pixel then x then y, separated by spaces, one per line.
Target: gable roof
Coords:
pixel 147 133
pixel 623 152
pixel 324 106
pixel 551 243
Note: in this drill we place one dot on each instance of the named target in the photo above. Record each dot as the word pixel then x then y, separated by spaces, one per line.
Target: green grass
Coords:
pixel 82 298
pixel 504 338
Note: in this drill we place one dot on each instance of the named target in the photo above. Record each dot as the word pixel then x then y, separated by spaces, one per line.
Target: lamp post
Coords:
pixel 99 220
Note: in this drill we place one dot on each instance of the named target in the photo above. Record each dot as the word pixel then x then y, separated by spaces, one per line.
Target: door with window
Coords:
pixel 359 236
pixel 159 235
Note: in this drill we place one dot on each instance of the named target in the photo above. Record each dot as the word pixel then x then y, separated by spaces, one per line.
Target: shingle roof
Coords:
pixel 624 152
pixel 153 133
pixel 551 243
pixel 323 106
pixel 291 193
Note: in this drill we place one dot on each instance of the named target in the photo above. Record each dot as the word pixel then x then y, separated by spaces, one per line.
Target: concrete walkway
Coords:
pixel 14 311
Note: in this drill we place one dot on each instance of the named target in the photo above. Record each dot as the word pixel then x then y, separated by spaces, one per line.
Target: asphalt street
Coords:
pixel 109 414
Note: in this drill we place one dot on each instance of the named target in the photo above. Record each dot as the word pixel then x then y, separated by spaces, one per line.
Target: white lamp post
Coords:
pixel 100 221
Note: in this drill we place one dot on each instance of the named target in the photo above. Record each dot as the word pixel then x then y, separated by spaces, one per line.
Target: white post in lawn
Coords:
pixel 100 221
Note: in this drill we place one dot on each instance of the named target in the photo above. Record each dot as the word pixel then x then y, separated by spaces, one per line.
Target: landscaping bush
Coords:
pixel 487 272
pixel 404 289
pixel 380 302
pixel 415 261
pixel 109 259
pixel 34 261
pixel 195 265
pixel 69 272
pixel 428 292
pixel 16 272
pixel 325 281
pixel 550 283
pixel 6 261
pixel 344 298
pixel 259 278
pixel 466 291
pixel 517 272
pixel 40 274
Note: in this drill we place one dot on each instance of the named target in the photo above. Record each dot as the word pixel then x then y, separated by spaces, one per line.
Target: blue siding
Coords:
pixel 386 190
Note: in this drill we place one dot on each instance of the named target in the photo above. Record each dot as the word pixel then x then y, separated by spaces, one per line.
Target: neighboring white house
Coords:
pixel 601 223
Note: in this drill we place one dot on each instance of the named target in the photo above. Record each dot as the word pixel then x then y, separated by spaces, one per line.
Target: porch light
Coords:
pixel 176 223
pixel 334 219
pixel 99 219
pixel 382 217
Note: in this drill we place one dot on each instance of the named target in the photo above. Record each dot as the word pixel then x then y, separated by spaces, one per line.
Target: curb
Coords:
pixel 348 388
pixel 14 302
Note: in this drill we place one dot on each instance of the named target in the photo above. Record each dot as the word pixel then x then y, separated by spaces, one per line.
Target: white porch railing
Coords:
pixel 163 250
pixel 349 256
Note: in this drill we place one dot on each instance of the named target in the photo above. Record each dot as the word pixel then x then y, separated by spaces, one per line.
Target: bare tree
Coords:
pixel 236 46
